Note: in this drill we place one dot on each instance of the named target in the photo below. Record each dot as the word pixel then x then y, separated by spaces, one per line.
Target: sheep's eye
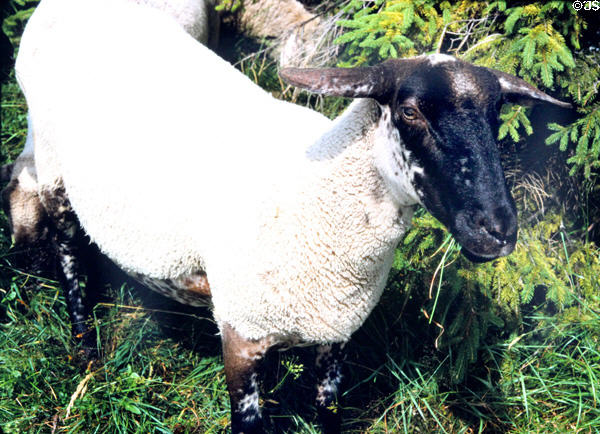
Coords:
pixel 409 113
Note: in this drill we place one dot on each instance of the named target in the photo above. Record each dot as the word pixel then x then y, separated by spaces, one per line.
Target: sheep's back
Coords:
pixel 166 151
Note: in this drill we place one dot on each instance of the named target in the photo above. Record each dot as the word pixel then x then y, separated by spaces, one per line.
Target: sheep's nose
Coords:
pixel 499 223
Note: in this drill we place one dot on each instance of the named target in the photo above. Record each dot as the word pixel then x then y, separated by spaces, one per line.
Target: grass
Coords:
pixel 161 371
pixel 13 115
pixel 146 382
pixel 161 368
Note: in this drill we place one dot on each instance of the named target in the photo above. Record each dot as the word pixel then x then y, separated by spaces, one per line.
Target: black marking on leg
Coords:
pixel 69 268
pixel 67 237
pixel 6 171
pixel 329 365
pixel 246 415
pixel 241 358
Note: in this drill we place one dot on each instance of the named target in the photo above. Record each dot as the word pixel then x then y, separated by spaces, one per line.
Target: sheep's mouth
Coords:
pixel 488 256
pixel 485 236
pixel 476 258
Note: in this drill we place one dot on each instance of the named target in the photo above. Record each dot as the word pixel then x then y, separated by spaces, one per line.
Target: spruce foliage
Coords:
pixel 543 43
pixel 538 41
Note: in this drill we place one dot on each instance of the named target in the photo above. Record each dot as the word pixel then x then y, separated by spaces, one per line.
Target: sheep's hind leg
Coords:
pixel 66 239
pixel 241 358
pixel 28 224
pixel 329 364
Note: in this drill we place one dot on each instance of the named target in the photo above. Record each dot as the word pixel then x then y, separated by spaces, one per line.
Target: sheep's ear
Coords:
pixel 518 91
pixel 367 82
pixel 349 82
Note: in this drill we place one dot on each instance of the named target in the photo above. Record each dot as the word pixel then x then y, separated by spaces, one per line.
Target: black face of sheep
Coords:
pixel 445 112
pixel 447 117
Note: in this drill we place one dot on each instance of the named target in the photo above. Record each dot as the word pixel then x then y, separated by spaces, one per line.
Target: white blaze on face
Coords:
pixel 463 84
pixel 392 160
pixel 437 58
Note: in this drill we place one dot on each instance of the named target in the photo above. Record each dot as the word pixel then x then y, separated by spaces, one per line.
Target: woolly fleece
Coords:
pixel 175 162
pixel 201 21
pixel 197 17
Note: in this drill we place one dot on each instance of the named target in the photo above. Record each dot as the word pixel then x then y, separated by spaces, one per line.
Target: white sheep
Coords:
pixel 300 35
pixel 201 185
pixel 20 198
pixel 197 17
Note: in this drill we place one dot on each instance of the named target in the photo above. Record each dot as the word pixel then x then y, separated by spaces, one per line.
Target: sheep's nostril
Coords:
pixel 495 229
pixel 500 237
pixel 498 224
pixel 480 221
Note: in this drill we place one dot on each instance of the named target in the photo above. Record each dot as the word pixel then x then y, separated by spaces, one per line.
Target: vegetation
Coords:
pixel 507 346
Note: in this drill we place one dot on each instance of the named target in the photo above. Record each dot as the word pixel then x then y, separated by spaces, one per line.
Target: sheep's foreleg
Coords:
pixel 241 358
pixel 329 364
pixel 66 242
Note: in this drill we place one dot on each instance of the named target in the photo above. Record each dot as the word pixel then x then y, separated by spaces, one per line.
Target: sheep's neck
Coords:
pixel 342 237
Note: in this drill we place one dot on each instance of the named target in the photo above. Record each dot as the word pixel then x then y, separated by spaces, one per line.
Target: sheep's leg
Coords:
pixel 28 223
pixel 241 358
pixel 69 277
pixel 329 363
pixel 66 243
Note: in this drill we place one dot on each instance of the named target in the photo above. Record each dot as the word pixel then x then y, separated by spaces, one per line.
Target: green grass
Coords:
pixel 161 371
pixel 146 382
pixel 13 115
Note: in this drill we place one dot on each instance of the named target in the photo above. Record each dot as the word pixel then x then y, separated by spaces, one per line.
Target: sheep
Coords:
pixel 299 33
pixel 197 17
pixel 20 200
pixel 283 221
pixel 295 27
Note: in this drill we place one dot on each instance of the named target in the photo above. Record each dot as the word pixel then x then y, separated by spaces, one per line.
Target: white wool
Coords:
pixel 175 162
pixel 200 19
pixel 197 17
pixel 324 249
pixel 299 33
pixel 23 169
